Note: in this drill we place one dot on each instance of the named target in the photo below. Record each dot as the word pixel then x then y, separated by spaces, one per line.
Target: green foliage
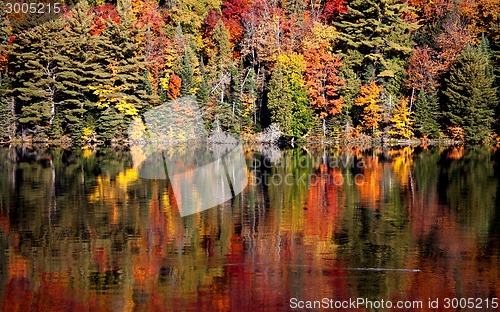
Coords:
pixel 7 113
pixel 376 31
pixel 121 93
pixel 426 115
pixel 288 101
pixel 36 59
pixel 187 73
pixel 81 68
pixel 471 94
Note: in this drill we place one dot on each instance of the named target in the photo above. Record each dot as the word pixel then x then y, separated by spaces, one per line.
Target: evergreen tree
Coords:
pixel 82 67
pixel 249 101
pixel 203 97
pixel 121 94
pixel 288 101
pixel 375 31
pixel 187 73
pixel 36 59
pixel 471 94
pixel 7 113
pixel 235 99
pixel 426 115
pixel 219 64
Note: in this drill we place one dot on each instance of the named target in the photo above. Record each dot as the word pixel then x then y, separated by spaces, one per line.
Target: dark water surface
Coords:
pixel 80 231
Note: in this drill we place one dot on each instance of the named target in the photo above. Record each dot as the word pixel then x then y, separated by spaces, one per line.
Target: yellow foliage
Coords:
pixel 125 107
pixel 88 133
pixel 402 163
pixel 125 178
pixel 401 122
pixel 248 105
pixel 107 97
pixel 165 81
pixel 319 35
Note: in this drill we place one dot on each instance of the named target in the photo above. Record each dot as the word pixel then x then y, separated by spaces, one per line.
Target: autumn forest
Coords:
pixel 336 69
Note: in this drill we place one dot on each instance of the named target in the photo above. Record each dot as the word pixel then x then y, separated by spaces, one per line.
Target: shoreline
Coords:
pixel 282 144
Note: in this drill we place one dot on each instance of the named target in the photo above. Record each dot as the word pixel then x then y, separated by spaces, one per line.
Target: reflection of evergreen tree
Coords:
pixel 426 170
pixel 469 186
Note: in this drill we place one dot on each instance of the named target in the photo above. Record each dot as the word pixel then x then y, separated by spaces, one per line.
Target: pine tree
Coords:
pixel 203 97
pixel 36 60
pixel 7 110
pixel 471 94
pixel 187 73
pixel 82 67
pixel 219 64
pixel 426 115
pixel 121 95
pixel 249 101
pixel 376 31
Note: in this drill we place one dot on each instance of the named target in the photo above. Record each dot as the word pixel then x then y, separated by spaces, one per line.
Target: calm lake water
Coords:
pixel 81 231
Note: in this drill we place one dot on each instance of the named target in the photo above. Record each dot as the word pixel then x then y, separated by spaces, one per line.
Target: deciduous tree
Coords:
pixel 369 100
pixel 401 122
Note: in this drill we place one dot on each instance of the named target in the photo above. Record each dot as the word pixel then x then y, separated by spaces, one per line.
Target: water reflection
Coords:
pixel 80 230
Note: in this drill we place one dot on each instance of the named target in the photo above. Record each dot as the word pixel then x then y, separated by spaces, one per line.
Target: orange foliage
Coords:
pixel 323 203
pixel 455 153
pixel 372 112
pixel 482 15
pixel 370 191
pixel 452 41
pixel 174 87
pixel 322 81
pixel 455 132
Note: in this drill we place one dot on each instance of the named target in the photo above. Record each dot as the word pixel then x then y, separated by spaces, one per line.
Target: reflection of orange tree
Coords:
pixel 370 191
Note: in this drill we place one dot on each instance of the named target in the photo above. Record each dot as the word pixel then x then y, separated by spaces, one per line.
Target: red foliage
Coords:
pixel 102 14
pixel 322 80
pixel 453 40
pixel 424 69
pixel 436 9
pixel 333 8
pixel 209 23
pixel 232 13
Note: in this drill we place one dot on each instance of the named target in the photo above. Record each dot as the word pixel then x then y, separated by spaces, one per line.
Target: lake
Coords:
pixel 83 231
